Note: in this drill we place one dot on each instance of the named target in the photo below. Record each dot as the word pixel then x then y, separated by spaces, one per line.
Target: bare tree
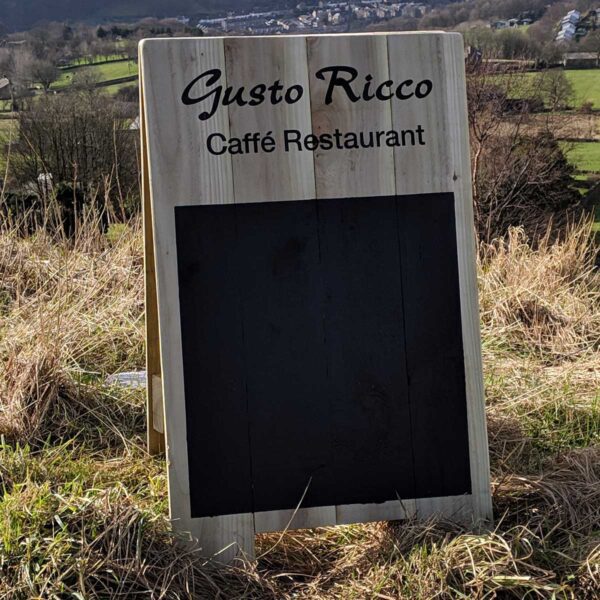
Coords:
pixel 81 143
pixel 555 89
pixel 44 72
pixel 520 174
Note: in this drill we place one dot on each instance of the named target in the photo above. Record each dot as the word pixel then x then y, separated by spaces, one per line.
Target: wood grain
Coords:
pixel 278 175
pixel 181 172
pixel 154 427
pixel 350 172
pixel 461 176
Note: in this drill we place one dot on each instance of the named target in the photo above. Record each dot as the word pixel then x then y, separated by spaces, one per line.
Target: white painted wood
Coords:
pixel 350 172
pixel 183 172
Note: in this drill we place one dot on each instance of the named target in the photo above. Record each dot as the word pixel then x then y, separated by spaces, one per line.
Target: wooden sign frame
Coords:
pixel 179 171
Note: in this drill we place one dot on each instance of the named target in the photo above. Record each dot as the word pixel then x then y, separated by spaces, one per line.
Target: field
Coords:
pixel 83 508
pixel 113 89
pixel 585 84
pixel 103 71
pixel 585 156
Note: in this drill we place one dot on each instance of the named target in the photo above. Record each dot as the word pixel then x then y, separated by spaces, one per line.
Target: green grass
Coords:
pixel 6 125
pixel 83 508
pixel 586 86
pixel 584 156
pixel 104 72
pixel 585 83
pixel 113 89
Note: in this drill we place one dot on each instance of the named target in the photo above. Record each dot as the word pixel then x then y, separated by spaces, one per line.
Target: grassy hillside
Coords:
pixel 585 84
pixel 83 508
pixel 585 156
pixel 103 71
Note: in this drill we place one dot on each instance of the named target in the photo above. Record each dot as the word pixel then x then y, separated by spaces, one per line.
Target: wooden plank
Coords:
pixel 392 510
pixel 422 168
pixel 366 358
pixel 265 177
pixel 154 425
pixel 182 172
pixel 434 349
pixel 276 175
pixel 459 148
pixel 350 172
pixel 443 165
pixel 158 413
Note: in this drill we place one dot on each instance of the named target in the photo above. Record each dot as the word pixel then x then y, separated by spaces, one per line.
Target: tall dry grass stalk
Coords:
pixel 70 310
pixel 543 301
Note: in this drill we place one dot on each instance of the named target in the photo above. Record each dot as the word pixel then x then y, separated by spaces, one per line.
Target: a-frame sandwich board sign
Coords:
pixel 314 253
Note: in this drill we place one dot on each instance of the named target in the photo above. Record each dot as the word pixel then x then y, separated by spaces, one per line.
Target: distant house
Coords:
pixel 567 33
pixel 575 14
pixel 581 60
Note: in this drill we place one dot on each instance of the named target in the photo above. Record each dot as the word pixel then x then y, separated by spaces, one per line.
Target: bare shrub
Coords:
pixel 75 152
pixel 519 179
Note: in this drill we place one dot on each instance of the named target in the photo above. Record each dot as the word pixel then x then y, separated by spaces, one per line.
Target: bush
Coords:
pixel 520 178
pixel 76 153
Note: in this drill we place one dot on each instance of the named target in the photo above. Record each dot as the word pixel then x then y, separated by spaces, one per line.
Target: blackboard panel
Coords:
pixel 322 344
pixel 214 371
pixel 366 361
pixel 281 289
pixel 434 345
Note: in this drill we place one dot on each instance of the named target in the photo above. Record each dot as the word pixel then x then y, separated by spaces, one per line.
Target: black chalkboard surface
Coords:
pixel 323 352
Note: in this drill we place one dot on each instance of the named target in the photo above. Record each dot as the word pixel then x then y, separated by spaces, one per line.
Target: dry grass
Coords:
pixel 83 508
pixel 542 301
pixel 70 312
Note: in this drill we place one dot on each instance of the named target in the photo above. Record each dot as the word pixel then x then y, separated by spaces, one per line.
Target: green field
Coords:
pixel 6 125
pixel 584 156
pixel 104 72
pixel 585 83
pixel 113 89
pixel 586 86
